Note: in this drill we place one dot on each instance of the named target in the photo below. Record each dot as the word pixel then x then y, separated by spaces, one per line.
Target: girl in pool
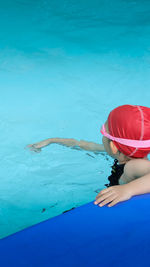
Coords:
pixel 126 138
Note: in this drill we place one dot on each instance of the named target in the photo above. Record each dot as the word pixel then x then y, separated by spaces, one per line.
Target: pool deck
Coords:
pixel 86 236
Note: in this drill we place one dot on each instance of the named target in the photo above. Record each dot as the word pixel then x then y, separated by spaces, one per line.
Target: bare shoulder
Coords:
pixel 137 168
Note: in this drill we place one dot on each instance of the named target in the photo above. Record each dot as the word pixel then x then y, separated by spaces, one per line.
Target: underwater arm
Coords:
pixel 73 143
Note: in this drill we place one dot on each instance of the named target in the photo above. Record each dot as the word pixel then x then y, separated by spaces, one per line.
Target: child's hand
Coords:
pixel 113 195
pixel 34 148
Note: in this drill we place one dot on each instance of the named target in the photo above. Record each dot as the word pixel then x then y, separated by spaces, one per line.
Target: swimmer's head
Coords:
pixel 127 131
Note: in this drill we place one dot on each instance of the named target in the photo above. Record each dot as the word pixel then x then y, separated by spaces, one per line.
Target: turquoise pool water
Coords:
pixel 63 66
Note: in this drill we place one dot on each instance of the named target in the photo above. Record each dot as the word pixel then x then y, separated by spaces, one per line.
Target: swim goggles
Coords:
pixel 126 142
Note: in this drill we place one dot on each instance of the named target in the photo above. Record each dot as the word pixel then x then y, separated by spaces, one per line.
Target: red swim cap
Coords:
pixel 130 122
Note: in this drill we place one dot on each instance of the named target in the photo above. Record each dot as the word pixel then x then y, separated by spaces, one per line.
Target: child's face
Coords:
pixel 106 142
pixel 112 150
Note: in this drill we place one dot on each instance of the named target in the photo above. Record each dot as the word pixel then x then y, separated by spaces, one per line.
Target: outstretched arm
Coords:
pixel 73 143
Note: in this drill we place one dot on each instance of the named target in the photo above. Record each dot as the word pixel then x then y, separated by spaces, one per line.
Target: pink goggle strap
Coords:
pixel 127 142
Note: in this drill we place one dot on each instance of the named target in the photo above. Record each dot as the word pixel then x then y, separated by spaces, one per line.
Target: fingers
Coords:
pixel 100 198
pixel 106 196
pixel 103 192
pixel 29 145
pixel 37 150
pixel 33 148
pixel 114 202
pixel 105 199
